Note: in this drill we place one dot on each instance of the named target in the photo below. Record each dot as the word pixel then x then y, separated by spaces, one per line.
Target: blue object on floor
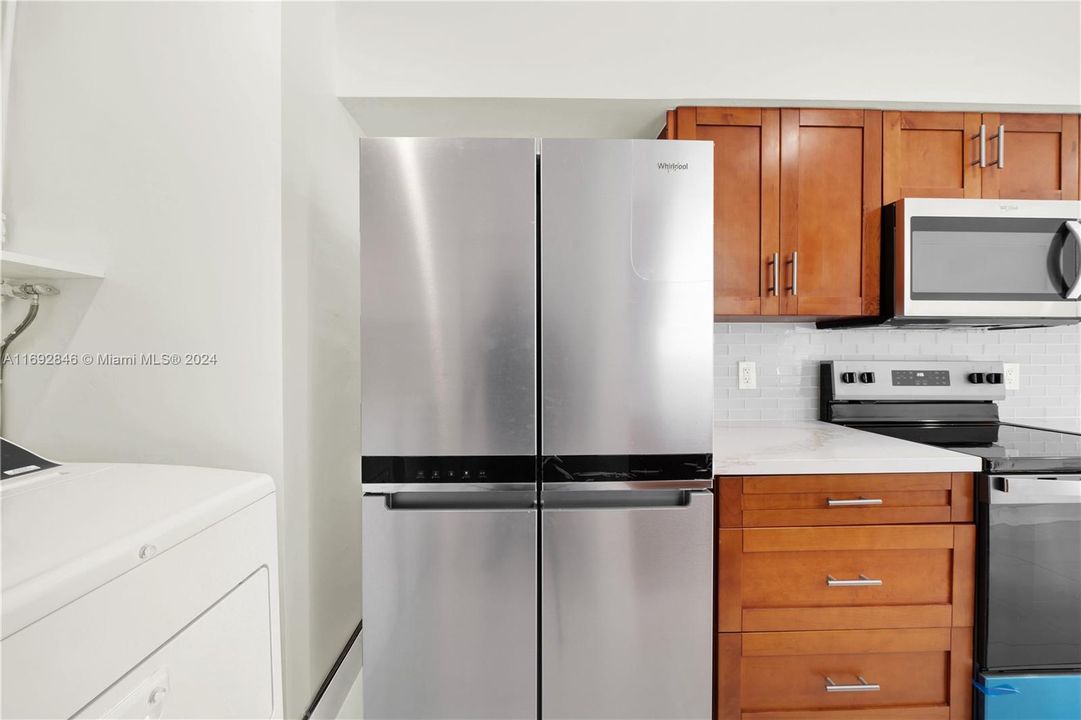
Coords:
pixel 1046 696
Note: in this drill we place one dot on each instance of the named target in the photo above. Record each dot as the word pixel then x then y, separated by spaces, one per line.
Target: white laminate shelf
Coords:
pixel 20 266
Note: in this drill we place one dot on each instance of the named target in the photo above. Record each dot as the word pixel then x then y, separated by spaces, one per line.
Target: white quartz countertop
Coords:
pixel 812 448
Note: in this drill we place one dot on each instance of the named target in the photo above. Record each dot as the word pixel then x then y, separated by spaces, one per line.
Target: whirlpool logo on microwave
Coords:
pixel 671 166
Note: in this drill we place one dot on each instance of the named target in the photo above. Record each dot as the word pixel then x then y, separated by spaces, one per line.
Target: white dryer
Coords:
pixel 146 591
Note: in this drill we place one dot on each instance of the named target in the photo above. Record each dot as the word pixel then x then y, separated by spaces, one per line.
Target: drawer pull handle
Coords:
pixel 863 581
pixel 864 686
pixel 854 502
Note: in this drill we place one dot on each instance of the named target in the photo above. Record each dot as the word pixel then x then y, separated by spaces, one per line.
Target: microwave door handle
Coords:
pixel 1073 232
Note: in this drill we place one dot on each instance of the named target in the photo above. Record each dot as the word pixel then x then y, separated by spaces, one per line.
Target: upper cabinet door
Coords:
pixel 831 199
pixel 1031 156
pixel 746 164
pixel 930 154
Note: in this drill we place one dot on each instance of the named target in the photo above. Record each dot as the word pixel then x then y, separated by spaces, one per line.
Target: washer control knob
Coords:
pixel 867 377
pixel 994 378
pixel 848 377
pixel 975 378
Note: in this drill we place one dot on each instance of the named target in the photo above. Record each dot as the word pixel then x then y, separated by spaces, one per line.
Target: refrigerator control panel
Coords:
pixel 442 469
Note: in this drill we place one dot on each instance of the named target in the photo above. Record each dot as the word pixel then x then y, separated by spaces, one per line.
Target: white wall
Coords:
pixel 145 138
pixel 788 357
pixel 197 153
pixel 988 53
pixel 320 222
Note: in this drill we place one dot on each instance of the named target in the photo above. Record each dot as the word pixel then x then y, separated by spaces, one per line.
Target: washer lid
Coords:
pixel 70 529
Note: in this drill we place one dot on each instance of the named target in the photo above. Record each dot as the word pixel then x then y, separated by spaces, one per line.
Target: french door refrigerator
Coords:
pixel 537 397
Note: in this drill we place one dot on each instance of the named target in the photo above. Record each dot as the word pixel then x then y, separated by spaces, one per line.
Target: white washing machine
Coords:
pixel 137 591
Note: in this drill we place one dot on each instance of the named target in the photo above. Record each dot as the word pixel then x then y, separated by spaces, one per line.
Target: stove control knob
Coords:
pixel 848 377
pixel 994 378
pixel 975 378
pixel 867 377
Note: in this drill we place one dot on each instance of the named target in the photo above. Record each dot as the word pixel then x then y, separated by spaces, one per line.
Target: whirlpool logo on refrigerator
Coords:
pixel 669 167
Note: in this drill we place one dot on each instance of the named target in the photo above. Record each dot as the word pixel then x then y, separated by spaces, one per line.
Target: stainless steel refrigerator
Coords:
pixel 537 404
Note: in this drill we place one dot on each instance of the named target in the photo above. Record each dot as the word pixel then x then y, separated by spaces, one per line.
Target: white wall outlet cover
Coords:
pixel 1012 373
pixel 748 375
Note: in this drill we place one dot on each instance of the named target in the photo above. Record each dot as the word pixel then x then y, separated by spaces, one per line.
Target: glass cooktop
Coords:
pixel 1005 448
pixel 1017 448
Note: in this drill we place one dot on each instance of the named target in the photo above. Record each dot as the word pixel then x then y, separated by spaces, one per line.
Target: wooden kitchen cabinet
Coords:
pixel 1039 156
pixel 795 578
pixel 937 154
pixel 797 201
pixel 831 201
pixel 920 674
pixel 930 154
pixel 788 614
pixel 877 499
pixel 746 166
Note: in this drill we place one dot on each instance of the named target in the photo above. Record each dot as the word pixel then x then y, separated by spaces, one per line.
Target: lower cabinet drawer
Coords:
pixel 838 578
pixel 913 673
pixel 807 500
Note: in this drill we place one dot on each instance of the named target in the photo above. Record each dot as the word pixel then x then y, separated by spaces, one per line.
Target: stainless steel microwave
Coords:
pixel 979 263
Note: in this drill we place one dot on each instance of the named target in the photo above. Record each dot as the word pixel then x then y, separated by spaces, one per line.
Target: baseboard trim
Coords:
pixel 336 685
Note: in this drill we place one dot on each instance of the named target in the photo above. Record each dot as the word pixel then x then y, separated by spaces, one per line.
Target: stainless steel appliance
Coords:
pixel 1028 620
pixel 984 263
pixel 537 428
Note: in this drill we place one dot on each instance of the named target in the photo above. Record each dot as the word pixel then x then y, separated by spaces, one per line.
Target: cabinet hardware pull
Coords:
pixel 853 502
pixel 982 137
pixel 863 581
pixel 775 274
pixel 1073 232
pixel 794 262
pixel 864 686
pixel 1001 137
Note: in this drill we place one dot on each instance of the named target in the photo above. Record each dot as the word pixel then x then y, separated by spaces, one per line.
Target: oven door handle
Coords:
pixel 1073 232
pixel 1034 490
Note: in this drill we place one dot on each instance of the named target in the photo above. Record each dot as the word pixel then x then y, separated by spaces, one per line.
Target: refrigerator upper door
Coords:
pixel 450 606
pixel 626 304
pixel 448 297
pixel 626 605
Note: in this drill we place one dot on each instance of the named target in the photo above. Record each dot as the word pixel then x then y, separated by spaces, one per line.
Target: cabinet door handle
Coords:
pixel 1001 137
pixel 863 686
pixel 775 274
pixel 1073 232
pixel 794 262
pixel 982 138
pixel 853 502
pixel 863 581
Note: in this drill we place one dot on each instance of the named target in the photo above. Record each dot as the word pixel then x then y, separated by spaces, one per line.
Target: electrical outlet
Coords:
pixel 748 375
pixel 1012 373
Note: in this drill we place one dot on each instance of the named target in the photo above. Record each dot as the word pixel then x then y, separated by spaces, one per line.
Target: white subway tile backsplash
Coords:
pixel 788 355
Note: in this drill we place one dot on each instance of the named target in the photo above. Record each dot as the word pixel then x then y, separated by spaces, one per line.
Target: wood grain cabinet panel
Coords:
pixel 779 578
pixel 1039 156
pixel 831 198
pixel 796 500
pixel 920 673
pixel 930 154
pixel 746 163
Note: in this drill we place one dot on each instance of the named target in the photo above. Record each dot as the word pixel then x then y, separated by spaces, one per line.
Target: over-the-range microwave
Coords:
pixel 978 263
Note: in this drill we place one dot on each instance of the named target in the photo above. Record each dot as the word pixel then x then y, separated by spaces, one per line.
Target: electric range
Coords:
pixel 1028 517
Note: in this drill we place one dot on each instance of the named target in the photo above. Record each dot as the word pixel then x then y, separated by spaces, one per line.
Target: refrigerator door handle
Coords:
pixel 417 501
pixel 618 500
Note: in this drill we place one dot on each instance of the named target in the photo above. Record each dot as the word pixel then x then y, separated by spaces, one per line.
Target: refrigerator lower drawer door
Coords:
pixel 626 609
pixel 1051 696
pixel 450 609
